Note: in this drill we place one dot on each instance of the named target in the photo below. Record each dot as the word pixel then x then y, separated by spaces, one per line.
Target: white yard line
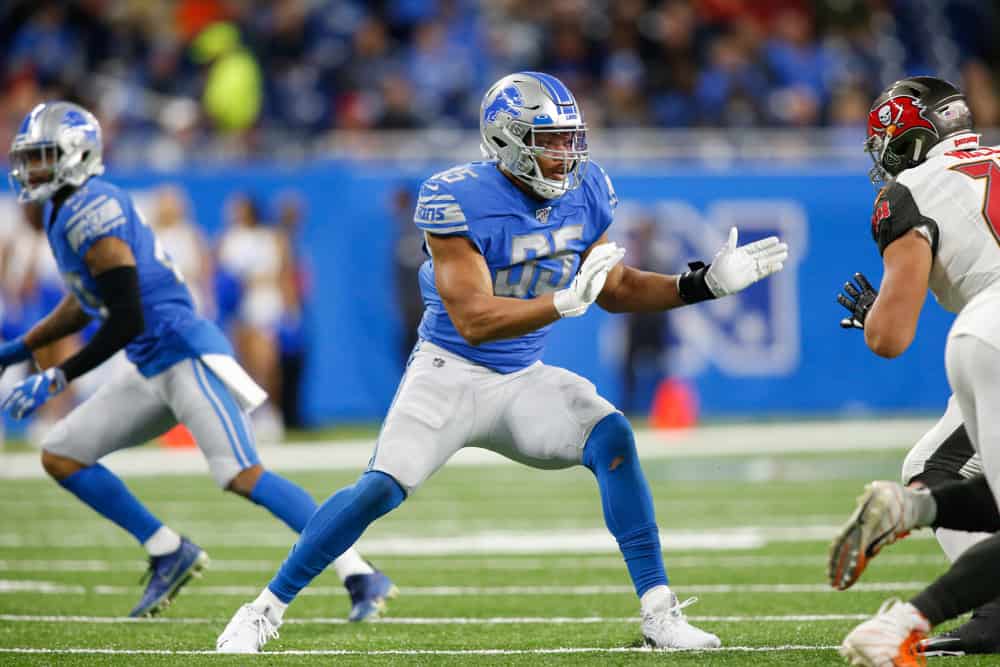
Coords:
pixel 419 652
pixel 725 439
pixel 390 620
pixel 494 543
pixel 513 562
pixel 57 588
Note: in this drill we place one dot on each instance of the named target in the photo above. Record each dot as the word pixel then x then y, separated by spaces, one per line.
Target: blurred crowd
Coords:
pixel 245 76
pixel 254 279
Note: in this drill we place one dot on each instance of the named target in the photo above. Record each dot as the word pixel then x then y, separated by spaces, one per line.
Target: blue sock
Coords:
pixel 333 528
pixel 108 496
pixel 625 498
pixel 284 499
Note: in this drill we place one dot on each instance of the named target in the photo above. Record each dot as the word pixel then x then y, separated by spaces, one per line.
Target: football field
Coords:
pixel 497 564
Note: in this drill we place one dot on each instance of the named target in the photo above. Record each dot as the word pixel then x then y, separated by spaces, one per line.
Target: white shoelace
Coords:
pixel 265 630
pixel 677 609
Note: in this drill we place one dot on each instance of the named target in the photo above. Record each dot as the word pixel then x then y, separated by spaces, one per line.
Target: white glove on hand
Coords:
pixel 736 268
pixel 589 281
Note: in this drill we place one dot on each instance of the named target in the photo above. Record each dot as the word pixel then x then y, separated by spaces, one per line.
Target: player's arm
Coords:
pixel 111 262
pixel 891 323
pixel 65 319
pixel 463 280
pixel 629 290
pixel 733 269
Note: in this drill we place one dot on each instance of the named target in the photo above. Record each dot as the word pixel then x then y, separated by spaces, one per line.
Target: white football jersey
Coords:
pixel 953 198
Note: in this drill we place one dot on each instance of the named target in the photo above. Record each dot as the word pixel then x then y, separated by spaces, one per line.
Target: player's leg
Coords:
pixel 945 454
pixel 71 452
pixel 555 418
pixel 224 433
pixel 973 366
pixel 427 423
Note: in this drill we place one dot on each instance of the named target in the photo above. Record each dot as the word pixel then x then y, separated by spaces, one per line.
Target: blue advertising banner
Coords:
pixel 776 350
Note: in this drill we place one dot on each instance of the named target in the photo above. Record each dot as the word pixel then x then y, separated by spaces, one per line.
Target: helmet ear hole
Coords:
pixel 500 142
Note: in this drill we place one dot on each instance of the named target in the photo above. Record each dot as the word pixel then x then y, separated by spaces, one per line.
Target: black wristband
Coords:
pixel 119 290
pixel 692 286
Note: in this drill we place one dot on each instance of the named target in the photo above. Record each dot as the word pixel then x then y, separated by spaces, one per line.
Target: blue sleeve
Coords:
pixel 607 200
pixel 439 210
pixel 103 216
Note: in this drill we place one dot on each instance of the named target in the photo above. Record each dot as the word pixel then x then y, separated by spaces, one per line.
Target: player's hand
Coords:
pixel 858 300
pixel 737 267
pixel 13 352
pixel 589 281
pixel 32 392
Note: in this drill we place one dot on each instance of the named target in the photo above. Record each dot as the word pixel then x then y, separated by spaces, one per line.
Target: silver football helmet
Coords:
pixel 57 144
pixel 530 115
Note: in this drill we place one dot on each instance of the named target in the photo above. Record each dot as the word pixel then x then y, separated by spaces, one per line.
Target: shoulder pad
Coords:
pixel 895 214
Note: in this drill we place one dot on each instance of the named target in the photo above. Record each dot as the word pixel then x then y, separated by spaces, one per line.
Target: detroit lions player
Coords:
pixel 516 243
pixel 183 366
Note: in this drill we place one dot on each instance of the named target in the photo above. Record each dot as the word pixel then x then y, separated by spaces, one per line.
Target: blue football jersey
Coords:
pixel 173 330
pixel 531 247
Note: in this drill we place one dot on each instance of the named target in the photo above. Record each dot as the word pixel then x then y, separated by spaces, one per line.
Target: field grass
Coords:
pixel 67 577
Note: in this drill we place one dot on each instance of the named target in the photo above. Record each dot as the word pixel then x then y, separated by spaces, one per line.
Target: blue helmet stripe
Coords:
pixel 554 87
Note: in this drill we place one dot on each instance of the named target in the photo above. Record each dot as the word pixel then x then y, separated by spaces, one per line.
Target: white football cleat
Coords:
pixel 247 632
pixel 664 626
pixel 890 639
pixel 882 517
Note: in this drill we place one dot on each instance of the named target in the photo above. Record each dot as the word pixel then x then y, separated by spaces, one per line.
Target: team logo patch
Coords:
pixel 506 101
pixel 898 116
pixel 438 362
pixel 542 214
pixel 882 211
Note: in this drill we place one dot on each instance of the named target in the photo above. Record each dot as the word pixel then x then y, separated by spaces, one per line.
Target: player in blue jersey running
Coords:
pixel 182 366
pixel 516 243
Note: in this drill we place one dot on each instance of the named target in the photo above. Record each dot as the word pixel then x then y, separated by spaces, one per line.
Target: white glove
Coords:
pixel 589 281
pixel 736 268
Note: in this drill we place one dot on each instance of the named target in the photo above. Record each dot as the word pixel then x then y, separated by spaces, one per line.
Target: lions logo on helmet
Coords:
pixel 58 144
pixel 531 115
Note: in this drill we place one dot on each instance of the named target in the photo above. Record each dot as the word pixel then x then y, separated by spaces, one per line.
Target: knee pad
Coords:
pixel 610 439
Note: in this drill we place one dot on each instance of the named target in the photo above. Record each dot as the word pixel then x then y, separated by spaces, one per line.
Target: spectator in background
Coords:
pixel 731 89
pixel 257 256
pixel 233 84
pixel 47 43
pixel 408 257
pixel 397 111
pixel 289 208
pixel 186 246
pixel 803 69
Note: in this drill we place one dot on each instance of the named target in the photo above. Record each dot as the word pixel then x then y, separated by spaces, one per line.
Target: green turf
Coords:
pixel 45 536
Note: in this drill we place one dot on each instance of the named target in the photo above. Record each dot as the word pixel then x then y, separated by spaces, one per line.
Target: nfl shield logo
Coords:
pixel 542 214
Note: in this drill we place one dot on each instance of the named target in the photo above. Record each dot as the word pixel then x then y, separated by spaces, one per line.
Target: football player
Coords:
pixel 516 243
pixel 182 366
pixel 937 224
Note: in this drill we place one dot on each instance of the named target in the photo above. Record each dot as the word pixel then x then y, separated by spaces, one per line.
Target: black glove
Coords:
pixel 859 302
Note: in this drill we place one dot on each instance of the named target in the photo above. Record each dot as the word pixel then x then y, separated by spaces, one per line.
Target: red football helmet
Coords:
pixel 910 117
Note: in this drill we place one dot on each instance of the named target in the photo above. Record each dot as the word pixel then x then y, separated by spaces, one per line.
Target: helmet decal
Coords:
pixel 507 101
pixel 897 116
